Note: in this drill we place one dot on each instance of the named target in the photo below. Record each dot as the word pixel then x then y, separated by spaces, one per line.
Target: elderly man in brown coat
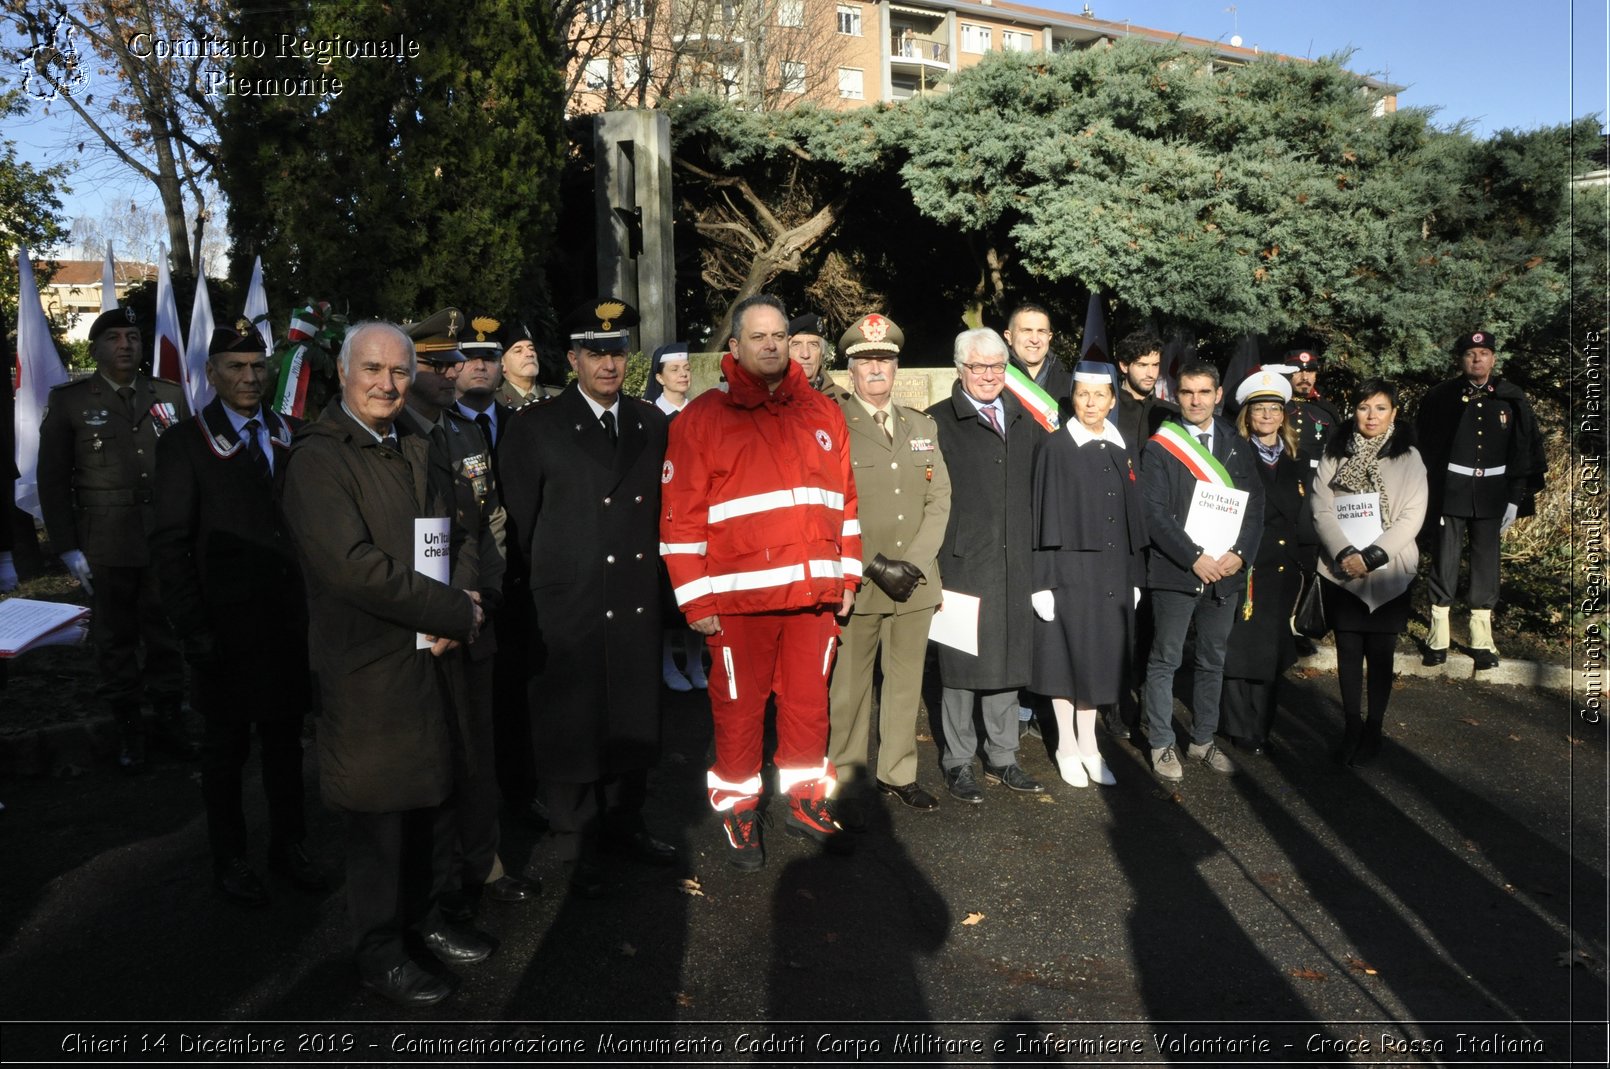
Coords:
pixel 360 493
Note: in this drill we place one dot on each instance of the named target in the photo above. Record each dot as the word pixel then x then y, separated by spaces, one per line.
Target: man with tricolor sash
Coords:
pixel 1204 514
pixel 1033 375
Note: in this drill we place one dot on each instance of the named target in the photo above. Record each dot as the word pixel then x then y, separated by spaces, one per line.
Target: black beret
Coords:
pixel 234 340
pixel 1478 339
pixel 809 323
pixel 115 317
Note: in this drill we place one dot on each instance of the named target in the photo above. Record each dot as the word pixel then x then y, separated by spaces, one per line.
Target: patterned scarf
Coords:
pixel 1360 473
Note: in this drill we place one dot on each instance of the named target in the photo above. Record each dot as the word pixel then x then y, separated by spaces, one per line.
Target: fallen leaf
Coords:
pixel 1514 738
pixel 690 887
pixel 628 950
pixel 1307 974
pixel 1470 846
pixel 1359 966
pixel 1468 720
pixel 1045 799
pixel 972 918
pixel 684 1000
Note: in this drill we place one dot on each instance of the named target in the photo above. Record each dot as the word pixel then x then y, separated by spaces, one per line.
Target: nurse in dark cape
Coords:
pixel 1088 533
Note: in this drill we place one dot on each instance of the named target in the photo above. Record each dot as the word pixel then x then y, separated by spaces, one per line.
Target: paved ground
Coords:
pixel 1297 912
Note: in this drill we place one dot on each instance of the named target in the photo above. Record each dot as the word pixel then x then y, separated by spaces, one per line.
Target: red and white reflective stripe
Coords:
pixel 774 500
pixel 851 527
pixel 725 795
pixel 827 658
pixel 732 680
pixel 850 566
pixel 696 588
pixel 764 578
pixel 788 778
pixel 696 549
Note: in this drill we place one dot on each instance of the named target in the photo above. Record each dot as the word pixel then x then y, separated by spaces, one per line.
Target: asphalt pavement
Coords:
pixel 1446 904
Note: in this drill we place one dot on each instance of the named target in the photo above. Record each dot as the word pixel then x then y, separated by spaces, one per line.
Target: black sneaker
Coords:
pixel 743 835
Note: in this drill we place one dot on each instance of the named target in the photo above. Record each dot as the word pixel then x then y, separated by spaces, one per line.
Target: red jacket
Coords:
pixel 759 500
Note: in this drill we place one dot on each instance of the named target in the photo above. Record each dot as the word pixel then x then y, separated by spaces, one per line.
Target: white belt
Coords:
pixel 1477 473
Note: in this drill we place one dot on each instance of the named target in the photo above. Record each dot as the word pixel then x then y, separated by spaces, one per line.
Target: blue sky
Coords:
pixel 1494 64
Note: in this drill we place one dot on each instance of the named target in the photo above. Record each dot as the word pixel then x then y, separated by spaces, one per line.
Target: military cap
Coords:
pixel 513 332
pixel 110 319
pixel 1302 359
pixel 438 336
pixel 603 325
pixel 872 335
pixel 808 323
pixel 241 338
pixel 1268 383
pixel 481 342
pixel 1478 339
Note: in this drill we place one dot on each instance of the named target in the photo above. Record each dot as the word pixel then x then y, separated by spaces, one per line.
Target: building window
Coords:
pixel 791 13
pixel 634 70
pixel 604 10
pixel 1013 41
pixel 793 76
pixel 852 83
pixel 975 38
pixel 596 74
pixel 599 10
pixel 850 20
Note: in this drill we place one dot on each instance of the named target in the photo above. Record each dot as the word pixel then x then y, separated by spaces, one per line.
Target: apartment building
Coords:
pixel 838 53
pixel 73 294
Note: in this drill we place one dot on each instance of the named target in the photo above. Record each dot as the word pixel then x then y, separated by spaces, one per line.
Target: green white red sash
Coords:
pixel 1188 450
pixel 1041 405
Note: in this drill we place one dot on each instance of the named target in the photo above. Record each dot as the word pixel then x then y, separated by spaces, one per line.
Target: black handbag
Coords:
pixel 1308 619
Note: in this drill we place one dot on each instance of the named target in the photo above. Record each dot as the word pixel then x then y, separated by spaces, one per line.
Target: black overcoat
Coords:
pixel 227 565
pixel 987 538
pixel 587 518
pixel 384 732
pixel 1261 644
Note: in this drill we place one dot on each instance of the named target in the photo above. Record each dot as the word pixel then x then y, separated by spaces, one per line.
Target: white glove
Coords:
pixel 1510 512
pixel 1136 589
pixel 1045 605
pixel 79 566
pixel 8 572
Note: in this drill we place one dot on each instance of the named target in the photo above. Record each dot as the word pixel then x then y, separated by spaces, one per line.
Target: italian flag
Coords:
pixel 1188 450
pixel 304 323
pixel 1041 405
pixel 290 393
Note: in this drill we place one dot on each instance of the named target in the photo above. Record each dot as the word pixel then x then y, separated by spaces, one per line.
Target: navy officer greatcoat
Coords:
pixel 586 516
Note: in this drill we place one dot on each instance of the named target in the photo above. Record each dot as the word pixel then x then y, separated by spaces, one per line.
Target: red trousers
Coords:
pixel 789 654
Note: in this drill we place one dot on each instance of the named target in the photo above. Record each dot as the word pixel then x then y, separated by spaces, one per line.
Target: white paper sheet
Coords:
pixel 27 624
pixel 1359 517
pixel 1214 520
pixel 956 623
pixel 432 555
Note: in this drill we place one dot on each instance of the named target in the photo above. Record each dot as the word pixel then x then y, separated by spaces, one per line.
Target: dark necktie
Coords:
pixel 994 420
pixel 608 420
pixel 1204 439
pixel 390 442
pixel 484 422
pixel 127 394
pixel 254 449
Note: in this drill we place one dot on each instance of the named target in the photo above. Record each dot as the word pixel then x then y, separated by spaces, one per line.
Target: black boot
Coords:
pixel 1352 731
pixel 130 738
pixel 170 731
pixel 1369 744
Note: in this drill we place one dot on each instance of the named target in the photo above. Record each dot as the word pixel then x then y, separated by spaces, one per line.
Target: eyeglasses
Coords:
pixel 986 371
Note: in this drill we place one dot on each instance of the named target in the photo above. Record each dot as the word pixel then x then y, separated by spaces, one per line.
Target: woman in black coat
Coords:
pixel 1261 645
pixel 1088 534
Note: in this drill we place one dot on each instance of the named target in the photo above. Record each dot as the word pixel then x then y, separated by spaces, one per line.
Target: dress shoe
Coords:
pixel 409 984
pixel 1431 658
pixel 911 795
pixel 1209 754
pixel 1072 770
pixel 1113 720
pixel 292 863
pixel 458 943
pixel 962 786
pixel 235 880
pixel 1013 778
pixel 642 847
pixel 511 889
pixel 1096 768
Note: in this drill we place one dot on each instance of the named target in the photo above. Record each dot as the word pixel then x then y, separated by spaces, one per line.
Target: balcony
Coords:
pixel 916 51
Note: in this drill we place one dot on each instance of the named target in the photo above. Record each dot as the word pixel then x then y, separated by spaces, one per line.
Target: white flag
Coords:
pixel 257 305
pixel 108 282
pixel 197 390
pixel 38 369
pixel 167 350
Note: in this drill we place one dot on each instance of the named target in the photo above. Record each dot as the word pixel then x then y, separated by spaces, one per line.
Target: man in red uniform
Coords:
pixel 760 536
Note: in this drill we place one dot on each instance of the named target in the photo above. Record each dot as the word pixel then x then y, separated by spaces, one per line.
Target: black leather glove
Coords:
pixel 1374 557
pixel 896 578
